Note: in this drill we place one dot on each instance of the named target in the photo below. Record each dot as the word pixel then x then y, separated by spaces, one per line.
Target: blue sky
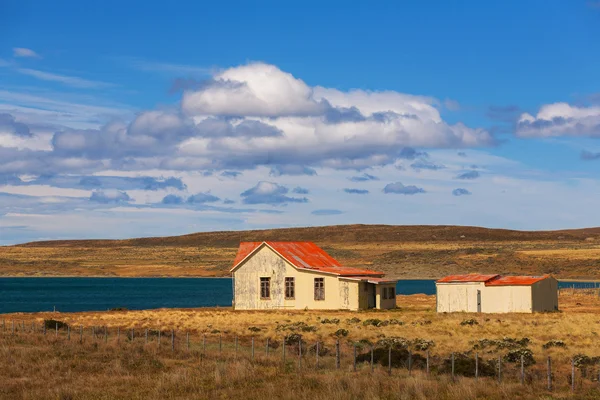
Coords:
pixel 147 118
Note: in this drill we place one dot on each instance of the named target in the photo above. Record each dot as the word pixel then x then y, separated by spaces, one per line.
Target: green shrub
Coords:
pixel 54 324
pixel 341 332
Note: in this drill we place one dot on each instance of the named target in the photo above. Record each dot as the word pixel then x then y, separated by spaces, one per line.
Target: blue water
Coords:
pixel 98 294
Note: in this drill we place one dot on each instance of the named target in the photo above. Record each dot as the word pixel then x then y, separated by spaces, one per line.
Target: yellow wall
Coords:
pixel 339 294
pixel 385 304
pixel 458 297
pixel 503 299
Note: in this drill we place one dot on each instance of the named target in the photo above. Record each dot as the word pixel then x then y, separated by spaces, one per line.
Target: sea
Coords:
pixel 101 294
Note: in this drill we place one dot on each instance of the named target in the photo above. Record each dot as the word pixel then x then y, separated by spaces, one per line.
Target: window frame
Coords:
pixel 267 280
pixel 290 285
pixel 391 293
pixel 319 287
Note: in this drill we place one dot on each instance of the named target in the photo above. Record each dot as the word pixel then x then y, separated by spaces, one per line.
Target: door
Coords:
pixel 371 294
pixel 479 301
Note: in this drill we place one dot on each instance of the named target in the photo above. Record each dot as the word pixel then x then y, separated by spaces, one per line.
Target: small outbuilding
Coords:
pixel 496 294
pixel 301 275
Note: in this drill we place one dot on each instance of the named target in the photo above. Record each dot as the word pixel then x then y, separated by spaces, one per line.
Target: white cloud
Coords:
pixel 168 68
pixel 72 81
pixel 24 52
pixel 560 119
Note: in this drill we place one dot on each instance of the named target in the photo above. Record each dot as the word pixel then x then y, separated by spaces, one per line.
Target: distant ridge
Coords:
pixel 341 234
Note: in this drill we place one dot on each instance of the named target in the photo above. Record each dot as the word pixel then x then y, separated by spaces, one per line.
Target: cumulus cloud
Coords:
pixel 399 188
pixel 363 178
pixel 110 196
pixel 230 174
pixel 424 164
pixel 325 212
pixel 290 169
pixel 461 154
pixel 468 175
pixel 588 155
pixel 300 190
pixel 560 119
pixel 460 192
pixel 25 53
pixel 172 199
pixel 9 125
pixel 201 198
pixel 355 191
pixel 269 193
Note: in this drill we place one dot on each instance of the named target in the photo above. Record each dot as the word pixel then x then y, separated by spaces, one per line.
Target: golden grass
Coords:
pixel 36 366
pixel 399 251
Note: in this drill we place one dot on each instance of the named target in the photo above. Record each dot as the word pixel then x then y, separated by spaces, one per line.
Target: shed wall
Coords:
pixel 545 295
pixel 458 297
pixel 503 299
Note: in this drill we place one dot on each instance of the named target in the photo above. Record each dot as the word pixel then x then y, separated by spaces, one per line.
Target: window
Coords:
pixel 265 288
pixel 290 289
pixel 384 294
pixel 391 293
pixel 319 288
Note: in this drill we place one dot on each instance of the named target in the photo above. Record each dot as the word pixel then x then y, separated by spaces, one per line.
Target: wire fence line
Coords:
pixel 292 351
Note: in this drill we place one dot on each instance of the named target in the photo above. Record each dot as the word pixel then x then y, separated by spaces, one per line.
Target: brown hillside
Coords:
pixel 400 251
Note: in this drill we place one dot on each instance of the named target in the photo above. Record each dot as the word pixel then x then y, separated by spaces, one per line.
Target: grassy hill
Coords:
pixel 400 251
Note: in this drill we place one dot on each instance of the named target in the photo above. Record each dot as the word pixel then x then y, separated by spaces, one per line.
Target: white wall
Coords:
pixel 457 297
pixel 503 299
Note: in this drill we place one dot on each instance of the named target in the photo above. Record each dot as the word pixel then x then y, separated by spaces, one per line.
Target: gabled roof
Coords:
pixel 302 255
pixel 516 280
pixel 467 278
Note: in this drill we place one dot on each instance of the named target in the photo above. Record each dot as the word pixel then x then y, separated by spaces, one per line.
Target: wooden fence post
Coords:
pixel 3 325
pixel 522 369
pixel 354 358
pixel 452 367
pixel 132 335
pixel 267 349
pixel 572 375
pixel 105 334
pixel 390 360
pixel 13 327
pixel 204 344
pixel 476 366
pixel 317 354
pixel 172 340
pixel 118 334
pixel 372 359
pixel 187 340
pixel 93 332
pixel 499 369
pixel 44 328
pixel 146 335
pixel 337 354
pixel 549 373
pixel 159 334
pixel 68 332
pixel 300 352
pixel 55 330
pixel 427 362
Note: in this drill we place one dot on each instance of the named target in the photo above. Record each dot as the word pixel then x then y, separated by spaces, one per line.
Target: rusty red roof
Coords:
pixel 375 280
pixel 303 255
pixel 467 278
pixel 516 280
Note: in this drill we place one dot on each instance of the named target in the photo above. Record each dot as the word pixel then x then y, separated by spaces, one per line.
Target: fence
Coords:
pixel 292 351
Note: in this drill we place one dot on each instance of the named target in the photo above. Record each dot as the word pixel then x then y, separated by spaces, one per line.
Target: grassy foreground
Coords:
pixel 399 251
pixel 37 366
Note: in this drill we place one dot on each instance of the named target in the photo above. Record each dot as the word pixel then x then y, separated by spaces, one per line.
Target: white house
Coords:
pixel 301 275
pixel 496 294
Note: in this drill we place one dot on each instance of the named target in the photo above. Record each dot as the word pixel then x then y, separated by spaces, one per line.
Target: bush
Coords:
pixel 399 358
pixel 504 343
pixel 464 365
pixel 323 350
pixel 254 329
pixel 514 356
pixel 341 332
pixel 469 322
pixel 296 326
pixel 330 321
pixel 119 309
pixel 54 324
pixel 353 320
pixel 554 343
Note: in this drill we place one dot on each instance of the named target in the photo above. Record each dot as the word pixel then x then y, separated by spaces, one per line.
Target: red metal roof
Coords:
pixel 515 280
pixel 375 280
pixel 303 255
pixel 467 278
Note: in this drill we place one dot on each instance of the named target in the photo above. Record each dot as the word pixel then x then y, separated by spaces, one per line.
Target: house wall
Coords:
pixel 458 297
pixel 503 299
pixel 385 304
pixel 266 263
pixel 365 292
pixel 545 295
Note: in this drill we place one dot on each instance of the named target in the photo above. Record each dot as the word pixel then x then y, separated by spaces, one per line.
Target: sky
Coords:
pixel 130 119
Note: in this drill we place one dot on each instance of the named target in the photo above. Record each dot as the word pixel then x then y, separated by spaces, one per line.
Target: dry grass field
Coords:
pixel 400 251
pixel 36 366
